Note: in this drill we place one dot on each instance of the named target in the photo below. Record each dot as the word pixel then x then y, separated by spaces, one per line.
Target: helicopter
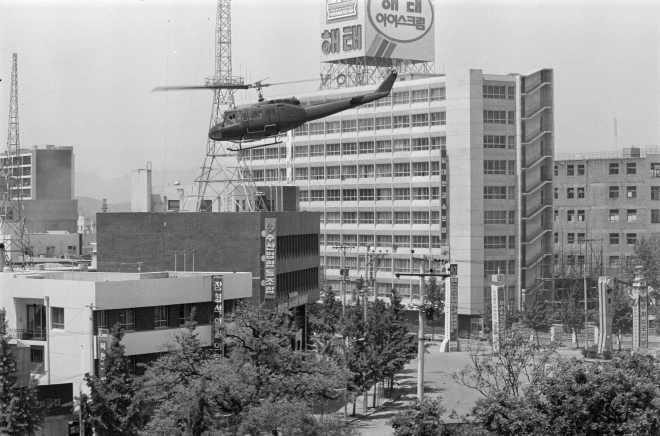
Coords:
pixel 271 118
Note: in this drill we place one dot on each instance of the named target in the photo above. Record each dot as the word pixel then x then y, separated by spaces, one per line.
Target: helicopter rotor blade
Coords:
pixel 186 88
pixel 287 83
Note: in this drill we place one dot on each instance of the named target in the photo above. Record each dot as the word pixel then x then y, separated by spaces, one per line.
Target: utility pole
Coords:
pixel 422 318
pixel 344 273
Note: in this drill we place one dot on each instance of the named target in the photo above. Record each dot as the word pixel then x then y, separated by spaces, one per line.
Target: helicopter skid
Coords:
pixel 256 146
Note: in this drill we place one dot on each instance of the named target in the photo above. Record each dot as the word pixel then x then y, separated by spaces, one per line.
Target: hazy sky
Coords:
pixel 86 68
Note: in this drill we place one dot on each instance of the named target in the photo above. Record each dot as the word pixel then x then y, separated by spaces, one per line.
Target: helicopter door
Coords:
pixel 257 120
pixel 272 121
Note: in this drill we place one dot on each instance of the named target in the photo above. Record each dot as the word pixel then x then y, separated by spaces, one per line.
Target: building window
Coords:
pixel 494 242
pixel 494 117
pixel 420 144
pixel 614 169
pixel 580 170
pixel 614 214
pixel 631 192
pixel 614 239
pixel 655 192
pixel 401 97
pixel 494 192
pixel 333 218
pixel 570 170
pixel 580 215
pixel 435 193
pixel 631 168
pixel 349 217
pixel 401 217
pixel 348 126
pixel 556 170
pixel 511 118
pixel 435 217
pixel 160 316
pixel 495 167
pixel 57 317
pixel 401 145
pixel 302 173
pixel 570 239
pixel 332 195
pixel 420 95
pixel 332 149
pixel 655 216
pixel 384 240
pixel 580 192
pixel 317 173
pixel 494 217
pixel 317 150
pixel 333 173
pixel 614 192
pixel 127 319
pixel 401 193
pixel 420 193
pixel 301 151
pixel 556 238
pixel 365 124
pixel 581 238
pixel 272 153
pixel 302 130
pixel 420 120
pixel 512 217
pixel 570 215
pixel 655 169
pixel 438 94
pixel 401 170
pixel 570 193
pixel 366 171
pixel 631 215
pixel 384 194
pixel 36 355
pixel 556 193
pixel 384 170
pixel 384 146
pixel 631 238
pixel 512 92
pixel 420 217
pixel 383 217
pixel 332 127
pixel 366 194
pixel 349 172
pixel 349 194
pixel 493 141
pixel 366 217
pixel 556 218
pixel 437 142
pixel 438 118
pixel 349 148
pixel 316 128
pixel 420 241
pixel 614 262
pixel 401 121
pixel 492 91
pixel 316 195
pixel 383 123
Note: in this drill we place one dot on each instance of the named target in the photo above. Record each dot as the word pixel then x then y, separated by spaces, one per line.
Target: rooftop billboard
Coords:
pixel 394 29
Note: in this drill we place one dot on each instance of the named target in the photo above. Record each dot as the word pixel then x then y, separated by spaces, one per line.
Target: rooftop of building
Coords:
pixel 83 276
pixel 626 153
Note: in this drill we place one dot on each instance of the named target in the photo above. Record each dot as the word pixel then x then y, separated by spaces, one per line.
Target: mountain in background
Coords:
pixel 117 191
pixel 88 206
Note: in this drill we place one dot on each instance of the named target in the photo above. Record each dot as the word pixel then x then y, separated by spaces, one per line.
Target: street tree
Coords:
pixel 19 414
pixel 536 317
pixel 110 408
pixel 419 419
pixel 647 255
pixel 571 314
pixel 622 315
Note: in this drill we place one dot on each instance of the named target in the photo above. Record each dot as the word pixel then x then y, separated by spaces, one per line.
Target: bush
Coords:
pixel 607 354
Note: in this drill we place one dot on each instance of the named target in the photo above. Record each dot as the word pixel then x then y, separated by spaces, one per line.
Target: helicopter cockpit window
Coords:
pixel 230 118
pixel 255 115
pixel 244 115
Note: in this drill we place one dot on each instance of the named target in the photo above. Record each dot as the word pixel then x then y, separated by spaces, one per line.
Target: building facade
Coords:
pixel 456 165
pixel 47 178
pixel 604 203
pixel 58 316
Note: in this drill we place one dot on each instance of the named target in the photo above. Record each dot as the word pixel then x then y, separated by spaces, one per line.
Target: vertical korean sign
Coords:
pixel 103 343
pixel 450 342
pixel 498 315
pixel 443 194
pixel 216 296
pixel 270 255
pixel 289 154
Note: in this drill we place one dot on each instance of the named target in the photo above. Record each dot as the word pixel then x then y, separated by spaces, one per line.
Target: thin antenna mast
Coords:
pixel 225 183
pixel 14 234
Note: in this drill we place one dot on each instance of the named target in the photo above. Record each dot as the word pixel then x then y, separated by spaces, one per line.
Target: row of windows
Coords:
pixel 499 217
pixel 499 141
pixel 615 238
pixel 369 171
pixel 385 264
pixel 499 267
pixel 404 217
pixel 404 241
pixel 499 117
pixel 371 194
pixel 614 215
pixel 350 148
pixel 631 192
pixel 499 192
pixel 631 168
pixel 149 318
pixel 499 92
pixel 614 191
pixel 397 97
pixel 571 193
pixel 500 167
pixel 369 124
pixel 494 242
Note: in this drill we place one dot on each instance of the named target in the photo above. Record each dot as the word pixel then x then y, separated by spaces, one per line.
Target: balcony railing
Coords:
pixel 536 158
pixel 535 184
pixel 538 132
pixel 530 112
pixel 27 334
pixel 537 232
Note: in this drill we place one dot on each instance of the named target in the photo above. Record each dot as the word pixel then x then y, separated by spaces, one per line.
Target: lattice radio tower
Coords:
pixel 225 183
pixel 14 233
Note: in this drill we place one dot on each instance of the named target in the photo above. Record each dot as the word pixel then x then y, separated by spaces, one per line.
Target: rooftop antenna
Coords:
pixel 616 135
pixel 13 229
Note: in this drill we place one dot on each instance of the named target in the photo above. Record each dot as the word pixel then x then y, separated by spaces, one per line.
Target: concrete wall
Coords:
pixel 41 241
pixel 53 174
pixel 44 215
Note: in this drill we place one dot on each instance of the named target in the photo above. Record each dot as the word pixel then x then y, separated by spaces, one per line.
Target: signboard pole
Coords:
pixel 270 258
pixel 218 313
pixel 639 296
pixel 498 306
pixel 450 342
